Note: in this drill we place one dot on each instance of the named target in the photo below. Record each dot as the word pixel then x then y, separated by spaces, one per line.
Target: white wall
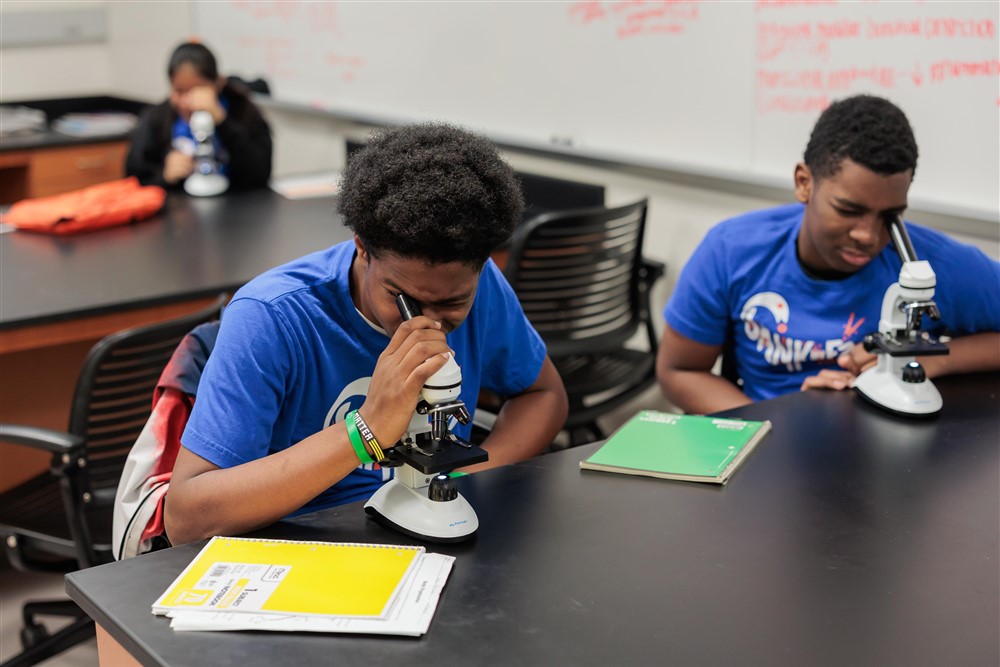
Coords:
pixel 131 62
pixel 142 36
pixel 37 72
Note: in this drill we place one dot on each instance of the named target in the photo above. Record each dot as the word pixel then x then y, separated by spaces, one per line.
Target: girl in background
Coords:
pixel 162 151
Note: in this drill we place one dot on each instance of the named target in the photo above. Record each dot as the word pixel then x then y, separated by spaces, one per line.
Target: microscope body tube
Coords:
pixel 901 239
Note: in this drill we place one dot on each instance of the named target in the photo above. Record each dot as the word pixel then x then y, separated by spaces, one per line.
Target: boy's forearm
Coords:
pixel 232 501
pixel 968 354
pixel 527 424
pixel 701 392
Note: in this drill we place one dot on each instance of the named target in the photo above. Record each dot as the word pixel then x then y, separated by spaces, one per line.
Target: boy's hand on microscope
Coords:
pixel 857 360
pixel 416 351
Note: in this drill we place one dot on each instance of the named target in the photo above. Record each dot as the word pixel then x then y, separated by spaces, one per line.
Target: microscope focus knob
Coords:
pixel 914 372
pixel 442 488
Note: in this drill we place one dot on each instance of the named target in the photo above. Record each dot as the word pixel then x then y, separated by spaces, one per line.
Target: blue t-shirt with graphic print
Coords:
pixel 294 356
pixel 744 281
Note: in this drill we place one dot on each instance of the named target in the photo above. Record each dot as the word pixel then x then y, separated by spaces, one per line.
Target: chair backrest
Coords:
pixel 543 194
pixel 577 275
pixel 113 393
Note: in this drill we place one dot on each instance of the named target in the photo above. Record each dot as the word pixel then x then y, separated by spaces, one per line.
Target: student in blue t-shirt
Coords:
pixel 304 345
pixel 790 292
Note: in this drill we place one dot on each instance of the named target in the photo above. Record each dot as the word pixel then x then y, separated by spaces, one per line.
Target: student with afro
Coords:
pixel 790 292
pixel 305 344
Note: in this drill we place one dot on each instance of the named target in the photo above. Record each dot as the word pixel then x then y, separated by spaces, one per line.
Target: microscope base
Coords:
pixel 411 512
pixel 883 385
pixel 206 185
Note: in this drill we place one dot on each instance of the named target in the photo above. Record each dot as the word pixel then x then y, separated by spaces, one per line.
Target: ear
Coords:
pixel 359 246
pixel 803 183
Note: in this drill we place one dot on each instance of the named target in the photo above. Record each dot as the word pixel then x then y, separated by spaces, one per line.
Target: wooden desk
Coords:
pixel 40 172
pixel 60 295
pixel 849 537
pixel 47 162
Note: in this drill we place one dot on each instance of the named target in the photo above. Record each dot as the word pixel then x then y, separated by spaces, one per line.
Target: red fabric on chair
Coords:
pixel 96 207
pixel 145 480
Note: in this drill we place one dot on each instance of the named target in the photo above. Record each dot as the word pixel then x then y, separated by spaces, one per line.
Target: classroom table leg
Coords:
pixel 112 654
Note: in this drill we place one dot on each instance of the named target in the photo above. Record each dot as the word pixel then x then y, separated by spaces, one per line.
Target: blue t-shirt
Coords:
pixel 745 282
pixel 294 356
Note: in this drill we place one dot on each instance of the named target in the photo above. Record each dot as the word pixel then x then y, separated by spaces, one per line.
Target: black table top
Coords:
pixel 850 536
pixel 192 248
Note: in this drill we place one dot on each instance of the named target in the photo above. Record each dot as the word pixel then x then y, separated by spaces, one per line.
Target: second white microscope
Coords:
pixel 207 180
pixel 897 382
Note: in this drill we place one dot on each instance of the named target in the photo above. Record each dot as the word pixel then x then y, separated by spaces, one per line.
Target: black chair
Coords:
pixel 60 521
pixel 584 285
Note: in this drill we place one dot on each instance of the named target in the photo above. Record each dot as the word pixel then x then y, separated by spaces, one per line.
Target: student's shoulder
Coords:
pixel 300 276
pixel 763 227
pixel 927 239
pixel 941 249
pixel 156 112
pixel 766 218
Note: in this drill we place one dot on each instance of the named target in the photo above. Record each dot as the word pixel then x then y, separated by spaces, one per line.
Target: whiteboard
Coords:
pixel 722 89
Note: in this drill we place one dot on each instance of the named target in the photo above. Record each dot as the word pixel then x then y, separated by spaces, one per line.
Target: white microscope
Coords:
pixel 206 180
pixel 897 382
pixel 422 500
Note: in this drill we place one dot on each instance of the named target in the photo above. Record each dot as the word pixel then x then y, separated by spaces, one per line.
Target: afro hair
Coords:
pixel 431 191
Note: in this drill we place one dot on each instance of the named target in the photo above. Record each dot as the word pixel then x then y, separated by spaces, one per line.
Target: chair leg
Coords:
pixel 49 608
pixel 36 640
pixel 586 433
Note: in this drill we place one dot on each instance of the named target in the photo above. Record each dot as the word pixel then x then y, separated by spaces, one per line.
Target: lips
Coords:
pixel 855 257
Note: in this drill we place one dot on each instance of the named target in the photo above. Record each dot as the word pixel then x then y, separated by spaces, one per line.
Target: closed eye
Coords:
pixel 849 212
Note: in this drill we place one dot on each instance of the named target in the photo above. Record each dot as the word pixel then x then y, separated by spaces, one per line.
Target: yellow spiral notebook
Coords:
pixel 234 574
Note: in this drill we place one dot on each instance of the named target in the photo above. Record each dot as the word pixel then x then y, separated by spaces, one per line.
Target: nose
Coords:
pixel 867 230
pixel 435 314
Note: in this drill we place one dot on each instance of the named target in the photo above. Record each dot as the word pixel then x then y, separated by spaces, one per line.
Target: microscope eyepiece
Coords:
pixel 408 308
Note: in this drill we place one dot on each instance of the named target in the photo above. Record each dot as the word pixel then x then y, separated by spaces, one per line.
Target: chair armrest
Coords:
pixel 651 270
pixel 56 442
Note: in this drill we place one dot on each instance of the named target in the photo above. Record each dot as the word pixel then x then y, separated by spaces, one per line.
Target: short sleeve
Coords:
pixel 243 387
pixel 699 306
pixel 968 289
pixel 511 349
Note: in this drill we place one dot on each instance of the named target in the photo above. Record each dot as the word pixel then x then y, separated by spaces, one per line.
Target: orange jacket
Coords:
pixel 105 205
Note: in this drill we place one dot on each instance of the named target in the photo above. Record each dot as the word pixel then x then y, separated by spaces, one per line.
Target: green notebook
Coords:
pixel 685 447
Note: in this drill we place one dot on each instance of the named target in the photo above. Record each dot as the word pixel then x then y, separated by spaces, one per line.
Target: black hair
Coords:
pixel 431 191
pixel 234 89
pixel 196 55
pixel 869 130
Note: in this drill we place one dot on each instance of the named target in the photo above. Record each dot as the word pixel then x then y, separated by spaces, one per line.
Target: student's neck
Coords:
pixel 354 283
pixel 819 274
